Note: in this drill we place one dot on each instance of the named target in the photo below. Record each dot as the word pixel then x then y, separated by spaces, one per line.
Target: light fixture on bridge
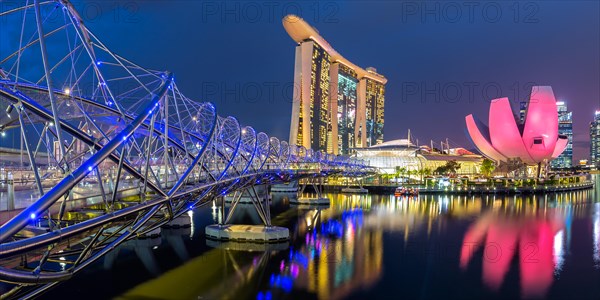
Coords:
pixel 9 110
pixel 3 133
pixel 67 91
pixel 51 124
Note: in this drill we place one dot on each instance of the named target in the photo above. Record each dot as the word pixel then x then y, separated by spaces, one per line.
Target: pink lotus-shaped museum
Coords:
pixel 533 142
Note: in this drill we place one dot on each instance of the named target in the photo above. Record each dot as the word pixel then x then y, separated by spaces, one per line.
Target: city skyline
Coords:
pixel 426 59
pixel 150 146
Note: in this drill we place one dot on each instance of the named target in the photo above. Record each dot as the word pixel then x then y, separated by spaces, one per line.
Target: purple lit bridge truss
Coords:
pixel 94 125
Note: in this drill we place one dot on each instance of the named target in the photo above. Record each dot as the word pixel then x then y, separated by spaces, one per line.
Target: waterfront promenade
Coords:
pixel 389 189
pixel 462 186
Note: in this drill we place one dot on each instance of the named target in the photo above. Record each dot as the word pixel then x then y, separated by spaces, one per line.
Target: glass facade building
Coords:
pixel 346 109
pixel 565 127
pixel 522 110
pixel 595 140
pixel 337 106
pixel 391 155
pixel 319 98
pixel 375 104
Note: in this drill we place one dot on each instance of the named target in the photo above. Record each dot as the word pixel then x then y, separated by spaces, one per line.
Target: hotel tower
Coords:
pixel 337 105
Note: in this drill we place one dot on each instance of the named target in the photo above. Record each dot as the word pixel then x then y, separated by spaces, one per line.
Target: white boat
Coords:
pixel 355 190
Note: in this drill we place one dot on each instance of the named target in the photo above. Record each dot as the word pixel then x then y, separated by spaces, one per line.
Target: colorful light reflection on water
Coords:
pixel 362 246
pixel 342 249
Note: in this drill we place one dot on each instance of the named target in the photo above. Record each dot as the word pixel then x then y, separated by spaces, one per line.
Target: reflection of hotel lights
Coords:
pixel 308 220
pixel 350 232
pixel 284 282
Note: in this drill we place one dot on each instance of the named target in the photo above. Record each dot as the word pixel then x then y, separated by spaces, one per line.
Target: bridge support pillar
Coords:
pixel 11 192
pixel 319 199
pixel 291 187
pixel 265 233
pixel 246 196
pixel 249 233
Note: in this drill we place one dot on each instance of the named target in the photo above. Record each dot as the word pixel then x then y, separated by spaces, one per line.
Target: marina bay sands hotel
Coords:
pixel 337 105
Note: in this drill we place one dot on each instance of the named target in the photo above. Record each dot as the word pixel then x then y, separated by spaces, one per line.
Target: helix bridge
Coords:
pixel 95 125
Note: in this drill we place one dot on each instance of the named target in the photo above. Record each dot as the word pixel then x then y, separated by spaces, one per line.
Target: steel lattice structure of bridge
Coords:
pixel 108 126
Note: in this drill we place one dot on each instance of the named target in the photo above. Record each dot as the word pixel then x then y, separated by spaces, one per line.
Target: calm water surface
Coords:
pixel 430 247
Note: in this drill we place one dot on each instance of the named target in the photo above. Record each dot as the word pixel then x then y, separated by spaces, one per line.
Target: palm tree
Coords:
pixel 413 173
pixel 487 167
pixel 424 172
pixel 400 171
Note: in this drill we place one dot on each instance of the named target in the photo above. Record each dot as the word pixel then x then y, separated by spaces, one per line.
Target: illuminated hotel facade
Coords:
pixel 337 105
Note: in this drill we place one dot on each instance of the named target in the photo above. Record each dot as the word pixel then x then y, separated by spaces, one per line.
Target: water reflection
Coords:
pixel 144 249
pixel 534 231
pixel 377 245
pixel 339 250
pixel 335 253
pixel 537 240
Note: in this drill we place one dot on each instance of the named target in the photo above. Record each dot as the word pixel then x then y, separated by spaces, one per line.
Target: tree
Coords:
pixel 427 171
pixel 441 170
pixel 400 171
pixel 487 167
pixel 411 173
pixel 424 172
pixel 451 167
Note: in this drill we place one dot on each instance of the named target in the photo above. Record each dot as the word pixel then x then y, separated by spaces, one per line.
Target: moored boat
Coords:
pixel 402 191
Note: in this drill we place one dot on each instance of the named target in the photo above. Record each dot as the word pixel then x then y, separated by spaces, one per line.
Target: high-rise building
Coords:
pixel 375 102
pixel 595 140
pixel 522 111
pixel 565 127
pixel 337 105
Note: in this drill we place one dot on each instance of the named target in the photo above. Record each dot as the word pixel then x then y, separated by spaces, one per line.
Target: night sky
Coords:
pixel 443 60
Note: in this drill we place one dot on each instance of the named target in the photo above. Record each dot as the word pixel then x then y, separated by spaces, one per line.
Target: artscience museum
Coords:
pixel 515 145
